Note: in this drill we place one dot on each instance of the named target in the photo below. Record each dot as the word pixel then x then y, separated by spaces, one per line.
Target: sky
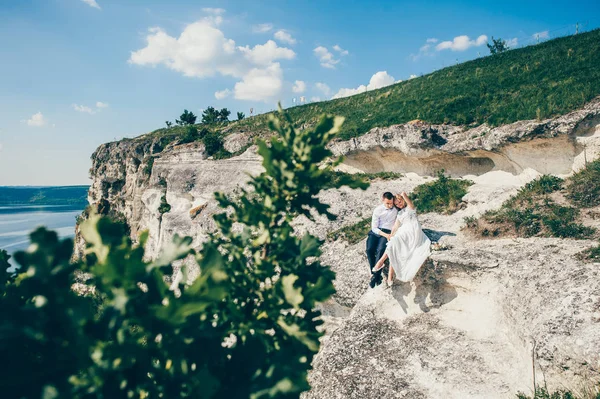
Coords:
pixel 78 73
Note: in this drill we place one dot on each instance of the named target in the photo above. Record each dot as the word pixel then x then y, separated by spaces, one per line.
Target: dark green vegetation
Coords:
pixel 542 393
pixel 442 195
pixel 75 196
pixel 213 142
pixel 187 118
pixel 497 46
pixel 584 187
pixel 211 115
pixel 343 177
pixel 164 206
pixel 352 233
pixel 534 211
pixel 246 327
pixel 591 254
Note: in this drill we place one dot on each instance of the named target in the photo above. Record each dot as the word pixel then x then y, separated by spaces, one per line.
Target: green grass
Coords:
pixel 534 82
pixel 164 206
pixel 352 233
pixel 591 254
pixel 533 213
pixel 542 393
pixel 584 186
pixel 337 176
pixel 442 195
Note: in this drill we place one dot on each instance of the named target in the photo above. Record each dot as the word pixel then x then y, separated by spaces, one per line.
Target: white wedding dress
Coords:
pixel 409 247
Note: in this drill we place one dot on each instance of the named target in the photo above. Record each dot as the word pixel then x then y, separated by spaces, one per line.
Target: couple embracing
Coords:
pixel 396 234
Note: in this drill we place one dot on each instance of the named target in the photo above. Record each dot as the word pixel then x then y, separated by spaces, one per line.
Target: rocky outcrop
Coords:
pixel 465 327
pixel 553 146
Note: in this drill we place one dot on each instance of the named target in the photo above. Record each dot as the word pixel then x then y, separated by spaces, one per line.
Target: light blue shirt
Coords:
pixel 383 218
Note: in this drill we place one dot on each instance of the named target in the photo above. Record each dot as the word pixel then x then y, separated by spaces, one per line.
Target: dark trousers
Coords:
pixel 375 249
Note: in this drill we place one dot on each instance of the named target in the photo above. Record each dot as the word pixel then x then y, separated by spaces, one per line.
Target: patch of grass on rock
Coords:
pixel 337 176
pixel 591 254
pixel 352 233
pixel 442 195
pixel 584 186
pixel 532 212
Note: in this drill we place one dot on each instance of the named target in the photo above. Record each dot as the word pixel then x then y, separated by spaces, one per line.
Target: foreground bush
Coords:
pixel 246 327
pixel 443 195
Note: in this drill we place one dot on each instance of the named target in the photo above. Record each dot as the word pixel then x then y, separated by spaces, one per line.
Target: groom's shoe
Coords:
pixel 373 281
pixel 379 279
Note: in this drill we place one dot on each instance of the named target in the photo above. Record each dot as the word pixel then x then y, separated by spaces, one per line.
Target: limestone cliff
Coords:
pixel 466 326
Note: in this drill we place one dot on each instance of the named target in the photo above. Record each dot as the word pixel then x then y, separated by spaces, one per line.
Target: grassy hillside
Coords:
pixel 67 195
pixel 538 81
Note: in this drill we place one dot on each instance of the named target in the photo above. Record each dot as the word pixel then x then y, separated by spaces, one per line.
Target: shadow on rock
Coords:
pixel 430 282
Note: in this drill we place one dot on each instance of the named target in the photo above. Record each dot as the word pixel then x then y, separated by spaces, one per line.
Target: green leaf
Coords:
pixel 292 295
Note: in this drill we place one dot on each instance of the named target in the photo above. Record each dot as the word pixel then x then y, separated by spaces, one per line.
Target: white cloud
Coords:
pixel 92 3
pixel 512 43
pixel 89 110
pixel 36 120
pixel 424 50
pixel 377 81
pixel 461 43
pixel 260 84
pixel 541 35
pixel 323 88
pixel 284 37
pixel 262 28
pixel 432 40
pixel 340 50
pixel 214 11
pixel 326 58
pixel 299 86
pixel 315 99
pixel 202 50
pixel 264 54
pixel 219 95
pixel 412 77
pixel 83 108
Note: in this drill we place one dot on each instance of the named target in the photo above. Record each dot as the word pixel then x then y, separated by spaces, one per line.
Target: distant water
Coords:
pixel 16 222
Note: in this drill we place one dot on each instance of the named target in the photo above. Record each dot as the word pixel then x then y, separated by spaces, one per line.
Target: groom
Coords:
pixel 384 217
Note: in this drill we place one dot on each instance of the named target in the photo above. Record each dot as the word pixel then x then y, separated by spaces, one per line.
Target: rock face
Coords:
pixel 465 327
pixel 553 146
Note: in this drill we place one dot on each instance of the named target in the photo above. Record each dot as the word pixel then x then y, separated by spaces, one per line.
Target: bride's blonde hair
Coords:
pixel 401 200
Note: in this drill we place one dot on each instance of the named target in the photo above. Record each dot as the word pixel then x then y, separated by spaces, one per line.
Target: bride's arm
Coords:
pixel 409 203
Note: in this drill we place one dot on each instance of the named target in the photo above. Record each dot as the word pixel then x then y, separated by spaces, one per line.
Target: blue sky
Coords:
pixel 77 73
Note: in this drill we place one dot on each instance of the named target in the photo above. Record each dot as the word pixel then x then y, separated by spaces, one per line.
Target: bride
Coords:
pixel 408 247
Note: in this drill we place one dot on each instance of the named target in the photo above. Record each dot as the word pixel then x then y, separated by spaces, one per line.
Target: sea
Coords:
pixel 18 221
